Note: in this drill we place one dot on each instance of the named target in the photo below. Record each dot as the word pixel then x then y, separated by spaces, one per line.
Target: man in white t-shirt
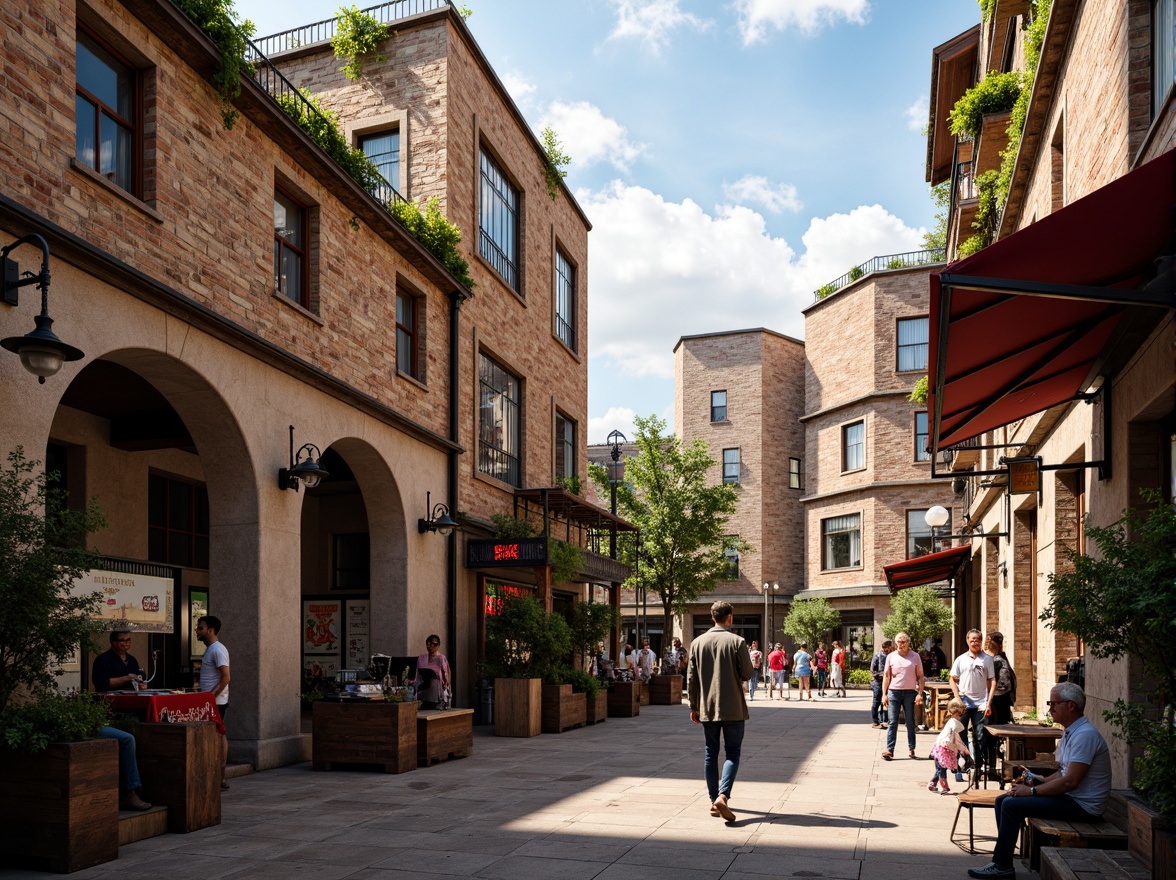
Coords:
pixel 973 680
pixel 214 676
pixel 645 661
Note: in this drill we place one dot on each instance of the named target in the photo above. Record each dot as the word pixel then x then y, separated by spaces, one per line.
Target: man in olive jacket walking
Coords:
pixel 719 665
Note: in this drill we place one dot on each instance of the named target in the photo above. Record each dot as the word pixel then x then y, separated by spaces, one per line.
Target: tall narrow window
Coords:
pixel 718 406
pixel 795 474
pixel 730 465
pixel 1163 52
pixel 106 114
pixel 853 446
pixel 921 452
pixel 499 440
pixel 732 555
pixel 290 248
pixel 352 562
pixel 498 222
pixel 406 334
pixel 841 542
pixel 912 344
pixel 565 300
pixel 177 522
pixel 383 150
pixel 565 447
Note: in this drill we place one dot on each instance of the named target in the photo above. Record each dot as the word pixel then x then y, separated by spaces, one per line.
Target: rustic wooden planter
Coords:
pixel 442 735
pixel 59 807
pixel 366 732
pixel 563 710
pixel 180 768
pixel 1150 838
pixel 596 710
pixel 624 699
pixel 665 690
pixel 518 706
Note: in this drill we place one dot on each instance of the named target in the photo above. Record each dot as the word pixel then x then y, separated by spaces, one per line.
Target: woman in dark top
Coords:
pixel 1006 681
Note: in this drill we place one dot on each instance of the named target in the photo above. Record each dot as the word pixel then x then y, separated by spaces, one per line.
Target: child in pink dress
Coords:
pixel 948 747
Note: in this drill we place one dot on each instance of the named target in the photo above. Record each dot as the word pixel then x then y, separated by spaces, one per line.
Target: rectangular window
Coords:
pixel 718 406
pixel 498 222
pixel 1163 52
pixel 841 542
pixel 730 465
pixel 853 446
pixel 406 334
pixel 499 440
pixel 177 522
pixel 732 555
pixel 106 114
pixel 290 249
pixel 920 540
pixel 795 474
pixel 912 344
pixel 383 150
pixel 921 453
pixel 565 300
pixel 351 562
pixel 565 447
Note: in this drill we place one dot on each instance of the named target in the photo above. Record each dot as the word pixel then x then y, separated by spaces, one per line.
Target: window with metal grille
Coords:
pixel 499 440
pixel 565 300
pixel 498 222
pixel 177 522
pixel 912 344
pixel 841 542
pixel 853 446
pixel 106 113
pixel 731 465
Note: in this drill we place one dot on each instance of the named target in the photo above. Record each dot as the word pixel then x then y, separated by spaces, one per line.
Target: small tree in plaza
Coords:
pixel 682 517
pixel 811 620
pixel 920 613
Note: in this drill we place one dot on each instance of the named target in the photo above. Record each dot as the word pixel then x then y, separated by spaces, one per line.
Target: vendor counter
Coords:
pixel 397 737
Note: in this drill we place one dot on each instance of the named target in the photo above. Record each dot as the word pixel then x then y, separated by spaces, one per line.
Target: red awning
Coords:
pixel 1023 325
pixel 941 566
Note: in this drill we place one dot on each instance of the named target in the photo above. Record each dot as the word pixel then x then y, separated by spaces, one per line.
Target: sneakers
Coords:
pixel 133 802
pixel 992 869
pixel 944 786
pixel 931 786
pixel 877 725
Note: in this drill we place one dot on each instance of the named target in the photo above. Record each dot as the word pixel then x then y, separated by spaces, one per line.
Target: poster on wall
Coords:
pixel 358 633
pixel 197 608
pixel 133 602
pixel 319 667
pixel 321 626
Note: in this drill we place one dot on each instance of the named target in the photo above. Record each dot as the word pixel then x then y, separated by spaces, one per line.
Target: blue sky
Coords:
pixel 732 157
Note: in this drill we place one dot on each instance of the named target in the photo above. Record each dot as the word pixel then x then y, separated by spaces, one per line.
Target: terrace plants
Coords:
pixel 553 169
pixel 218 19
pixel 357 36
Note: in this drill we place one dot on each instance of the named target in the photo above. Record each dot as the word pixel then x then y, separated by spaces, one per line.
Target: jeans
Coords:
pixel 128 764
pixel 732 732
pixel 1010 811
pixel 975 718
pixel 876 705
pixel 753 683
pixel 822 674
pixel 905 700
pixel 782 681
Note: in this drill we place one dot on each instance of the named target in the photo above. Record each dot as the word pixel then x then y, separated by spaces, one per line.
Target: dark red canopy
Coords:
pixel 1023 325
pixel 941 566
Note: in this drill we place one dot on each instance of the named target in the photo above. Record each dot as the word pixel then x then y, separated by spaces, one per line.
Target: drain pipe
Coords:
pixel 456 298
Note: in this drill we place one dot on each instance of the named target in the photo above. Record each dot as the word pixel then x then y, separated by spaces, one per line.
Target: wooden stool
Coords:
pixel 973 799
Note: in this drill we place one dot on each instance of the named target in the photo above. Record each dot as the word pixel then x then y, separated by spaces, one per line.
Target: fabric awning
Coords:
pixel 941 566
pixel 1023 325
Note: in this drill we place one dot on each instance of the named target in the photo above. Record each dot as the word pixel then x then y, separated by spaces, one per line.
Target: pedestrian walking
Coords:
pixel 757 665
pixel 902 680
pixel 973 680
pixel 719 664
pixel 948 746
pixel 777 682
pixel 877 671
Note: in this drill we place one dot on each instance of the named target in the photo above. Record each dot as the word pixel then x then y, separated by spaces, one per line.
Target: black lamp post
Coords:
pixel 40 351
pixel 770 590
pixel 616 473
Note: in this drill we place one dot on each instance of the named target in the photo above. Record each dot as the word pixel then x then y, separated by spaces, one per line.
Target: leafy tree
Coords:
pixel 41 556
pixel 668 495
pixel 920 613
pixel 811 620
pixel 553 171
pixel 591 624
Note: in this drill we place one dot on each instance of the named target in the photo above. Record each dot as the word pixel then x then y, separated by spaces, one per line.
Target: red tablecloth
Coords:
pixel 171 707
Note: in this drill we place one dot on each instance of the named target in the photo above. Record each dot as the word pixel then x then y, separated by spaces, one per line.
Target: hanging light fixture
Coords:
pixel 40 351
pixel 304 467
pixel 438 519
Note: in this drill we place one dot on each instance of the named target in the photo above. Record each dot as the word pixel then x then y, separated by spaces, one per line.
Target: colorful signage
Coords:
pixel 1024 475
pixel 491 552
pixel 131 602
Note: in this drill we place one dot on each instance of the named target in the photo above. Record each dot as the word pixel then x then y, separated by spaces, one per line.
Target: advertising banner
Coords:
pixel 132 602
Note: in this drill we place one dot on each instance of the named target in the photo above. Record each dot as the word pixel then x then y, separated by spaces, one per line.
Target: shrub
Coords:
pixel 357 35
pixel 855 273
pixel 553 169
pixel 859 676
pixel 996 93
pixel 969 246
pixel 51 717
pixel 218 20
pixel 523 641
pixel 896 263
pixel 824 290
pixel 920 391
pixel 437 234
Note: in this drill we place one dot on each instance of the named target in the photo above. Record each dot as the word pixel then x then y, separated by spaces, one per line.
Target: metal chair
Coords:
pixel 971 800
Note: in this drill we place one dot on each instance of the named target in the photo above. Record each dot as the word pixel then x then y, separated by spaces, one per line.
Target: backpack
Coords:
pixel 1006 679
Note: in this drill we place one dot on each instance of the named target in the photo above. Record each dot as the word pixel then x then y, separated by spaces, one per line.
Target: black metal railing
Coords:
pixel 501 263
pixel 907 260
pixel 498 463
pixel 322 31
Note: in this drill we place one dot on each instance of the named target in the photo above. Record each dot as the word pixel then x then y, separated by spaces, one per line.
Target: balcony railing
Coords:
pixel 322 31
pixel 907 260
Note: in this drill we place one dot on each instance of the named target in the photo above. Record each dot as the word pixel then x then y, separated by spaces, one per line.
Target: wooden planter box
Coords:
pixel 1150 838
pixel 643 691
pixel 518 706
pixel 59 807
pixel 624 699
pixel 563 710
pixel 180 768
pixel 444 734
pixel 597 710
pixel 365 733
pixel 665 690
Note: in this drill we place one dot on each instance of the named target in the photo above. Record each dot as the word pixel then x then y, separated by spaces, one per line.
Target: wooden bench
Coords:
pixel 1110 833
pixel 442 735
pixel 1059 863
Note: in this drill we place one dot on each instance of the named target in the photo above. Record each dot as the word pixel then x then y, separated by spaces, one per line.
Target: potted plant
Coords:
pixel 565 698
pixel 591 623
pixel 58 782
pixel 1120 602
pixel 523 643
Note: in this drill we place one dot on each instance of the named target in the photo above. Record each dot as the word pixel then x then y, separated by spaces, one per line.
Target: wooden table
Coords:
pixel 180 766
pixel 1024 741
pixel 1040 766
pixel 941 694
pixel 444 734
pixel 365 732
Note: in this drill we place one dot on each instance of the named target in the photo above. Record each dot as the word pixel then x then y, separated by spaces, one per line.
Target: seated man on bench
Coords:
pixel 1075 793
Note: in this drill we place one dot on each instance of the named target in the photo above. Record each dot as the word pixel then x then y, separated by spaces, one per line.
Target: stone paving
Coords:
pixel 623 800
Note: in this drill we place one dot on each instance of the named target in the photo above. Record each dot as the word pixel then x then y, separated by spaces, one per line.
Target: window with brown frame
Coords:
pixel 290 251
pixel 407 356
pixel 177 522
pixel 107 113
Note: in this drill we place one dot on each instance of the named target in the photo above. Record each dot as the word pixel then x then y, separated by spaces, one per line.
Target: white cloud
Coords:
pixel 660 270
pixel 917 113
pixel 652 22
pixel 618 418
pixel 520 88
pixel 589 136
pixel 756 190
pixel 757 17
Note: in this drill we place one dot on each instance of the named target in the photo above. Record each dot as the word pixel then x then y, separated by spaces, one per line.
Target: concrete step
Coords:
pixel 232 771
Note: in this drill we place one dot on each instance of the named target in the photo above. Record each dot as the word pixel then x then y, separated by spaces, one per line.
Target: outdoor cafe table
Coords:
pixel 167 706
pixel 1023 741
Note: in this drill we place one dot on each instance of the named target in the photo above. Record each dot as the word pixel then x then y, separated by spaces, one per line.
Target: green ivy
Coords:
pixel 437 234
pixel 553 170
pixel 935 238
pixel 1034 38
pixel 988 206
pixel 919 392
pixel 987 7
pixel 465 12
pixel 969 246
pixel 571 484
pixel 218 19
pixel 357 35
pixel 567 561
pixel 996 93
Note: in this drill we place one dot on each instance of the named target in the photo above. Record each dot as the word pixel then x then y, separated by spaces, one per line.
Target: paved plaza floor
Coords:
pixel 623 800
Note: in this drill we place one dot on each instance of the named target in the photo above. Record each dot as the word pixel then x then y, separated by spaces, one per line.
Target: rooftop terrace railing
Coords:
pixel 907 260
pixel 322 31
